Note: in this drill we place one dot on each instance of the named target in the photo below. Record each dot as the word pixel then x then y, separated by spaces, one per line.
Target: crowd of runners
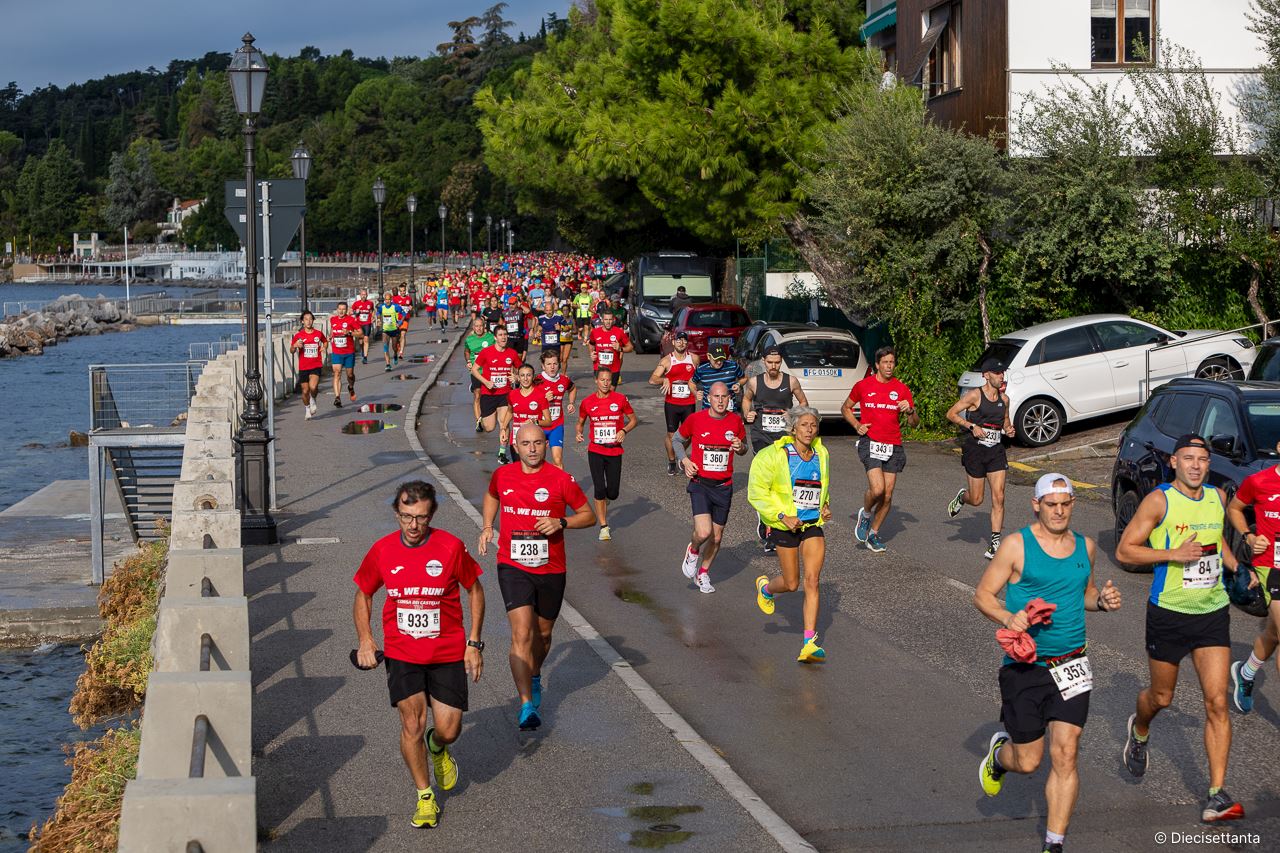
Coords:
pixel 524 318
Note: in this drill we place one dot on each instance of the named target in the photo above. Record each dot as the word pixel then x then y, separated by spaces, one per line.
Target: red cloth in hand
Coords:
pixel 1039 611
pixel 1017 644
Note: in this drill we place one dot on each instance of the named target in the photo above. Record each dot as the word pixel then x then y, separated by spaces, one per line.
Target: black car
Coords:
pixel 1240 420
pixel 1266 367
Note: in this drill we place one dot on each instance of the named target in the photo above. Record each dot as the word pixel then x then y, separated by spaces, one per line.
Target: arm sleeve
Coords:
pixel 760 485
pixel 1247 493
pixel 466 569
pixel 574 497
pixel 367 577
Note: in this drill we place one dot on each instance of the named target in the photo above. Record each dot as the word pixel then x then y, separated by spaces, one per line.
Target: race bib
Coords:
pixel 606 357
pixel 604 433
pixel 500 380
pixel 550 339
pixel 807 494
pixel 1073 677
pixel 1275 553
pixel 388 324
pixel 512 328
pixel 1204 573
pixel 880 451
pixel 363 317
pixel 530 548
pixel 772 420
pixel 990 437
pixel 555 412
pixel 680 390
pixel 715 459
pixel 418 622
pixel 311 350
pixel 339 340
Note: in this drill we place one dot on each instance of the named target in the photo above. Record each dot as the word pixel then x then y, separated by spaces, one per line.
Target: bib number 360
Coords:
pixel 1073 677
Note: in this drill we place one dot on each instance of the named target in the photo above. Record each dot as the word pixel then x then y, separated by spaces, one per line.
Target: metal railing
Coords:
pixel 137 395
pixel 1145 391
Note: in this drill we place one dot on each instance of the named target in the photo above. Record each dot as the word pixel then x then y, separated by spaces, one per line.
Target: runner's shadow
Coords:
pixel 1177 736
pixel 972 530
pixel 790 606
pixel 633 510
pixel 338 834
pixel 278 649
pixel 1022 794
pixel 290 774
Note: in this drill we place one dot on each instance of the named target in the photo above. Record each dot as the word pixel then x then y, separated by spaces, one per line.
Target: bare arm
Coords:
pixel 361 613
pixel 798 392
pixel 1002 567
pixel 846 410
pixel 1133 548
pixel 1235 517
pixel 490 513
pixel 748 394
pixel 473 660
pixel 967 403
pixel 655 378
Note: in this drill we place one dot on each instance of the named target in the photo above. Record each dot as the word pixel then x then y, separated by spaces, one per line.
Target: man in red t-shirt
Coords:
pixel 343 332
pixel 882 401
pixel 310 344
pixel 538 503
pixel 608 343
pixel 405 301
pixel 1261 491
pixel 362 308
pixel 429 652
pixel 560 393
pixel 713 437
pixel 611 419
pixel 495 368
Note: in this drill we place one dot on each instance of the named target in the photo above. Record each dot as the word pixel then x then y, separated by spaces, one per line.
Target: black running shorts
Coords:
pixel 1029 699
pixel 893 465
pixel 1171 635
pixel 543 592
pixel 676 414
pixel 979 461
pixel 713 499
pixel 444 682
pixel 789 539
pixel 490 403
pixel 304 375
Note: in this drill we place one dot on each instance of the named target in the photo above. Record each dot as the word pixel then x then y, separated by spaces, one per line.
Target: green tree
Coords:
pixel 133 192
pixel 48 194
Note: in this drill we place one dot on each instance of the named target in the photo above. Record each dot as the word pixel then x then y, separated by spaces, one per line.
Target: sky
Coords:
pixel 60 42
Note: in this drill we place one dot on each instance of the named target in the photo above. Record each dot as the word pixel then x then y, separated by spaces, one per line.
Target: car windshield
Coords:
pixel 816 352
pixel 665 285
pixel 1264 422
pixel 1267 367
pixel 722 318
pixel 1003 349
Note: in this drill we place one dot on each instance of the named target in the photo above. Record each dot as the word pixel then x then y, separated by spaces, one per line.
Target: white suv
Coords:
pixel 1081 367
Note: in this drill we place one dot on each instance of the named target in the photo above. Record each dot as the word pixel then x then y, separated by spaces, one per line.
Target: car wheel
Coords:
pixel 1125 509
pixel 1219 369
pixel 1039 422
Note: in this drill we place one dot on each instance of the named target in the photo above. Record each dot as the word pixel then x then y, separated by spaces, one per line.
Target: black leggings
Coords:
pixel 606 475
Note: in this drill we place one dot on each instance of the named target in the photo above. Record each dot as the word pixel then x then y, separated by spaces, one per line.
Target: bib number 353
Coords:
pixel 1073 677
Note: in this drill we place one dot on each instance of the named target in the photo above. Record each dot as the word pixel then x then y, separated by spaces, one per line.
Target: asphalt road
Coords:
pixel 878 748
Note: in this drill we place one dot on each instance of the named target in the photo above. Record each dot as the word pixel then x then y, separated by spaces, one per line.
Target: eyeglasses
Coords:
pixel 408 518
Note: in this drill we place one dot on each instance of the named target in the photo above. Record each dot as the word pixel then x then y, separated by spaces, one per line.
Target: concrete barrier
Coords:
pixel 224 567
pixel 189 528
pixel 205 493
pixel 174 700
pixel 163 815
pixel 182 622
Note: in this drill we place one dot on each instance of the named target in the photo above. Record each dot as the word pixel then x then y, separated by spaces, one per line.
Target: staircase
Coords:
pixel 144 478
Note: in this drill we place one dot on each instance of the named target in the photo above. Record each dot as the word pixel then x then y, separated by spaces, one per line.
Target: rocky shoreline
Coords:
pixel 68 316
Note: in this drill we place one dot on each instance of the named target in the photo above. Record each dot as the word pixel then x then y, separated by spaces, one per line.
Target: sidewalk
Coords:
pixel 599 774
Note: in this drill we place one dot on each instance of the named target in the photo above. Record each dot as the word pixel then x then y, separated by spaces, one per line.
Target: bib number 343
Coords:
pixel 880 451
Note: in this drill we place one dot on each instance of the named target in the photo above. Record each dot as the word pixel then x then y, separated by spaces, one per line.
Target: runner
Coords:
pixel 362 308
pixel 528 406
pixel 983 413
pixel 429 306
pixel 1178 530
pixel 442 304
pixel 674 374
pixel 495 367
pixel 492 315
pixel 392 319
pixel 882 401
pixel 474 342
pixel 429 654
pixel 566 333
pixel 455 303
pixel 611 419
pixel 1044 563
pixel 514 319
pixel 774 393
pixel 608 343
pixel 405 301
pixel 310 345
pixel 714 436
pixel 582 312
pixel 789 486
pixel 548 329
pixel 1262 492
pixel 343 331
pixel 560 393
pixel 535 500
pixel 718 367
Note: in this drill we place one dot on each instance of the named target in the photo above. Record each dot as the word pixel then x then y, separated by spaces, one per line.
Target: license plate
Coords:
pixel 716 342
pixel 834 372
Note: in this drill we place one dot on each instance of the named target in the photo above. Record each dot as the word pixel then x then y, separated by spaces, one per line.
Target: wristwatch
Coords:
pixel 478 645
pixel 564 523
pixel 781 516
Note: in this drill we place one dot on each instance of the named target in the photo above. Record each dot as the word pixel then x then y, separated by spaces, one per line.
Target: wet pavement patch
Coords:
pixel 381 407
pixel 403 377
pixel 633 596
pixel 365 427
pixel 420 359
pixel 660 830
pixel 644 789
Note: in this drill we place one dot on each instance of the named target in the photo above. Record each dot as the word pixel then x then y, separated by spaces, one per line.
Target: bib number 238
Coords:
pixel 530 549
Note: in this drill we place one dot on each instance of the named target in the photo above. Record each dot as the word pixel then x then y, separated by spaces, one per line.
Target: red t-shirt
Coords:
pixel 311 353
pixel 363 311
pixel 709 441
pixel 455 295
pixel 422 616
pixel 405 301
pixel 606 348
pixel 878 402
pixel 559 386
pixel 525 409
pixel 607 414
pixel 1262 492
pixel 549 492
pixel 680 375
pixel 499 368
pixel 342 329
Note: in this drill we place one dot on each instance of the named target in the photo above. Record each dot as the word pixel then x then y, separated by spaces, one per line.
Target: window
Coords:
pixel 717 319
pixel 1002 349
pixel 816 352
pixel 1122 334
pixel 1218 418
pixel 1178 417
pixel 1071 343
pixel 1116 25
pixel 942 68
pixel 1264 420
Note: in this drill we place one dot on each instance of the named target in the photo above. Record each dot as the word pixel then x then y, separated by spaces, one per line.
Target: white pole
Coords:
pixel 271 344
pixel 126 264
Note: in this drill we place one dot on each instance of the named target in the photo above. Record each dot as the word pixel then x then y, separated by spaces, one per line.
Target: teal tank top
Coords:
pixel 1057 581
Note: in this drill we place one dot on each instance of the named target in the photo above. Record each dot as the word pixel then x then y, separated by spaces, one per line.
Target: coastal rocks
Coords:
pixel 66 317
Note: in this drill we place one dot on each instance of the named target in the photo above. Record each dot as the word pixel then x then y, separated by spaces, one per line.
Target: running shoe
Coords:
pixel 312 408
pixel 352 394
pixel 763 600
pixel 502 456
pixel 386 369
pixel 427 814
pixel 1051 848
pixel 953 508
pixel 690 566
pixel 863 530
pixel 811 652
pixel 1135 751
pixel 1241 690
pixel 604 534
pixel 529 719
pixel 993 547
pixel 875 543
pixel 537 692
pixel 446 769
pixel 770 547
pixel 762 532
pixel 704 584
pixel 992 780
pixel 479 425
pixel 307 410
pixel 671 468
pixel 1220 806
pixel 364 359
pixel 337 402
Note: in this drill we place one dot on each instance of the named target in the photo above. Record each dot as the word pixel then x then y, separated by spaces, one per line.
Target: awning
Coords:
pixel 915 67
pixel 880 19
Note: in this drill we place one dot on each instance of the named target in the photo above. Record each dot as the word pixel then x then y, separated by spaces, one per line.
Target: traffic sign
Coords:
pixel 287 200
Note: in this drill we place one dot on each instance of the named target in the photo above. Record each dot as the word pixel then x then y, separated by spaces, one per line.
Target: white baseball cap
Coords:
pixel 1049 484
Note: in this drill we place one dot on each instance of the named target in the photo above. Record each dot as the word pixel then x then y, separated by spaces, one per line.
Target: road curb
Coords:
pixel 705 754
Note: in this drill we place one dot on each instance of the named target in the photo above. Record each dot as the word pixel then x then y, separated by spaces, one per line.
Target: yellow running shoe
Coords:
pixel 445 767
pixel 992 779
pixel 427 814
pixel 812 652
pixel 764 602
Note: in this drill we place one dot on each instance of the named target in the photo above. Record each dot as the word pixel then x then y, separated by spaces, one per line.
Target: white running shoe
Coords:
pixel 690 567
pixel 604 533
pixel 704 583
pixel 307 410
pixel 312 407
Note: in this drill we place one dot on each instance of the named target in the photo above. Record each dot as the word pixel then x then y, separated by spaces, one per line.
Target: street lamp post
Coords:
pixel 488 234
pixel 471 218
pixel 502 233
pixel 301 160
pixel 412 204
pixel 443 211
pixel 379 196
pixel 248 76
pixel 511 242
